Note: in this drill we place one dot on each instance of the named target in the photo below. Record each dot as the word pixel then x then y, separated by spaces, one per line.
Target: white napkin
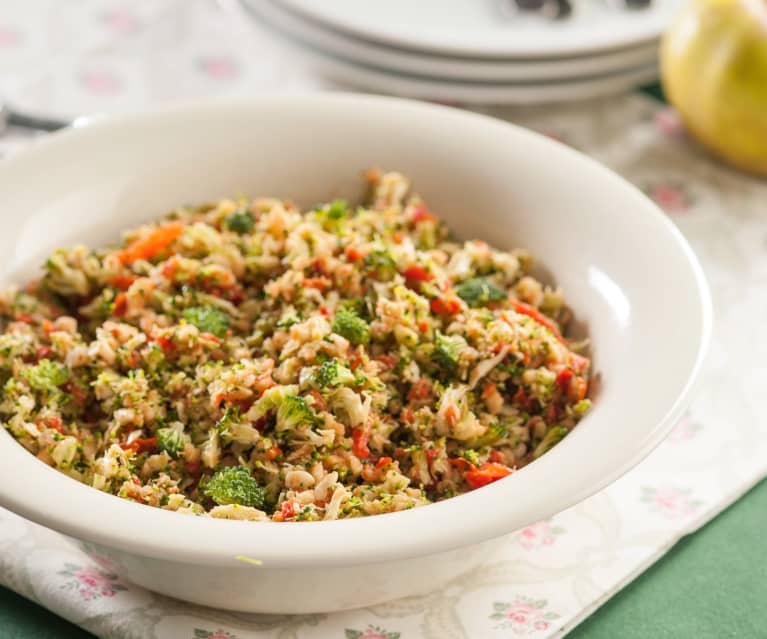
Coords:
pixel 550 575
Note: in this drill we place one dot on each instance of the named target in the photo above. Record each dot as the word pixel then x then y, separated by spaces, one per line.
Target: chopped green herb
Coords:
pixel 208 319
pixel 478 292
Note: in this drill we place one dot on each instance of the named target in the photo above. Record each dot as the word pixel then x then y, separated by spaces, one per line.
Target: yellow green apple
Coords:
pixel 714 71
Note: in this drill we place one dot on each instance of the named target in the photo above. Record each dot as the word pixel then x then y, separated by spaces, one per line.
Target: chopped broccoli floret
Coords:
pixel 478 292
pixel 231 415
pixel 370 383
pixel 513 368
pixel 551 439
pixel 63 279
pixel 347 323
pixel 269 400
pixel 307 514
pixel 494 433
pixel 208 319
pixel 46 375
pixel 381 265
pixel 240 221
pixel 357 304
pixel 351 504
pixel 337 209
pixel 582 407
pixel 330 215
pixel 171 441
pixel 331 373
pixel 235 486
pixel 292 412
pixel 288 319
pixel 447 350
pixel 472 456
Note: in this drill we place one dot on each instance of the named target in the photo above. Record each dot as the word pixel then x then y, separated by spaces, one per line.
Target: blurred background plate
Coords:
pixel 381 81
pixel 490 28
pixel 277 16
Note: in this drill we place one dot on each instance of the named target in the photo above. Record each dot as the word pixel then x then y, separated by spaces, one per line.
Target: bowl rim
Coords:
pixel 82 512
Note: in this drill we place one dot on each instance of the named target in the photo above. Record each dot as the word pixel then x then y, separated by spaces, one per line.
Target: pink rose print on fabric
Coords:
pixel 523 616
pixel 371 632
pixel 105 563
pixel 539 535
pixel 684 431
pixel 669 123
pixel 670 502
pixel 671 197
pixel 199 633
pixel 90 582
pixel 100 82
pixel 218 67
pixel 9 37
pixel 121 22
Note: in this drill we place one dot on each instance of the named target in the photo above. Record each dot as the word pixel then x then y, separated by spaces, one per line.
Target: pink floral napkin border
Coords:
pixel 550 575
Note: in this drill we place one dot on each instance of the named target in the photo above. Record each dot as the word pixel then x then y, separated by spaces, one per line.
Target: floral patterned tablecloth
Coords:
pixel 107 55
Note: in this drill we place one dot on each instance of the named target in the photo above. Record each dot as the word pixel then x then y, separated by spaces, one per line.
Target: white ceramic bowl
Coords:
pixel 627 272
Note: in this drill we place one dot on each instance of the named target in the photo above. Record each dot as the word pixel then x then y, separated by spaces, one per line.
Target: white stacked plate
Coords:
pixel 476 51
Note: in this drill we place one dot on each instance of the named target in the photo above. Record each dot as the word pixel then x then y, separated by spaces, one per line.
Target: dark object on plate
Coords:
pixel 551 9
pixel 9 117
pixel 560 9
pixel 557 9
pixel 529 5
pixel 631 4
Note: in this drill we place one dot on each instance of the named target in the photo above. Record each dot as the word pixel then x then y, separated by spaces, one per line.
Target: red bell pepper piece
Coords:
pixel 417 273
pixel 445 305
pixel 486 474
pixel 531 311
pixel 149 246
pixel 360 438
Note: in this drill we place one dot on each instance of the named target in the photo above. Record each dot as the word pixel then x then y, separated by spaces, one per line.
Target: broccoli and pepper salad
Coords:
pixel 249 360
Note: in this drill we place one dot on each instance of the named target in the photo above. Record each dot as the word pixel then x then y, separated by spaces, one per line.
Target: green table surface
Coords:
pixel 711 584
